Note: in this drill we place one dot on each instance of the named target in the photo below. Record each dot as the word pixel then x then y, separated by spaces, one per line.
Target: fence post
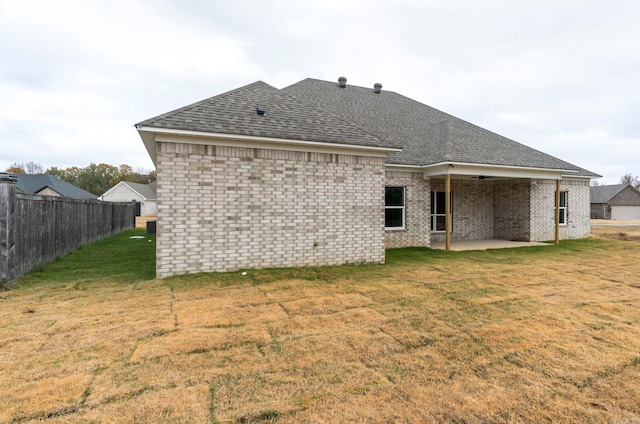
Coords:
pixel 134 203
pixel 7 227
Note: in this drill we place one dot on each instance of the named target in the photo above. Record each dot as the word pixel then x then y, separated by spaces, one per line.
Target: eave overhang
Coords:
pixel 461 170
pixel 152 135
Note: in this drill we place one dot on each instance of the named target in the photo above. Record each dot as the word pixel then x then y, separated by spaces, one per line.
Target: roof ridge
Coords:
pixel 337 116
pixel 359 87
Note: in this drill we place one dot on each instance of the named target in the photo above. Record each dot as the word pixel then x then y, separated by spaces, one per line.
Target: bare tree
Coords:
pixel 630 179
pixel 26 168
pixel 33 168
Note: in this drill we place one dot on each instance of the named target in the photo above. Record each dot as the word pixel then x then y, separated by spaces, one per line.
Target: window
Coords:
pixel 564 195
pixel 394 208
pixel 438 211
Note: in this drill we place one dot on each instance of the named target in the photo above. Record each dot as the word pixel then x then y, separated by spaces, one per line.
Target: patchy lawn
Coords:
pixel 617 233
pixel 518 335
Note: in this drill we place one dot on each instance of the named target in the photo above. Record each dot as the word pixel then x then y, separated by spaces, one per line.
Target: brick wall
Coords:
pixel 512 210
pixel 229 208
pixel 543 210
pixel 417 198
pixel 472 212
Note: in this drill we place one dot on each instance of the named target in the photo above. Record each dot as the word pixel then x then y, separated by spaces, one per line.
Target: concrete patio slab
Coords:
pixel 459 245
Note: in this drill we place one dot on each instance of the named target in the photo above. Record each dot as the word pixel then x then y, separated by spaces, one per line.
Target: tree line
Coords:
pixel 631 179
pixel 98 178
pixel 95 178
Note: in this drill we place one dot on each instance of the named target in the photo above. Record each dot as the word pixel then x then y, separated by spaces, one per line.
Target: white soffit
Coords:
pixel 465 169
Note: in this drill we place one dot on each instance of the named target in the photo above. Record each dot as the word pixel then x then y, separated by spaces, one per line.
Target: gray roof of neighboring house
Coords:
pixel 286 117
pixel 315 110
pixel 34 183
pixel 604 193
pixel 148 191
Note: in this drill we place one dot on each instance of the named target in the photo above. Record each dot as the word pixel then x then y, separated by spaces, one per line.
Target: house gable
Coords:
pixel 604 193
pixel 126 191
pixel 628 196
pixel 47 191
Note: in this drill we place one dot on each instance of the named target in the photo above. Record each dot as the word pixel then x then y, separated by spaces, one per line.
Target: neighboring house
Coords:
pixel 619 201
pixel 48 185
pixel 323 173
pixel 143 194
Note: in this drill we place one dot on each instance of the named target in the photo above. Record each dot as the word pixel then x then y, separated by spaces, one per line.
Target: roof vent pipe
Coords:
pixel 342 82
pixel 377 88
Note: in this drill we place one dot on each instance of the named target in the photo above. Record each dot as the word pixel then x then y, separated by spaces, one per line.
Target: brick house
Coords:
pixel 618 202
pixel 143 194
pixel 322 173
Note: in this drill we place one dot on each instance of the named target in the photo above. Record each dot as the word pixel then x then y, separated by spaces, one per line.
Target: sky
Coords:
pixel 561 76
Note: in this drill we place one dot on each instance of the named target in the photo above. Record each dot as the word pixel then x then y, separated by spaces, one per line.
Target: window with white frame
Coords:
pixel 394 208
pixel 438 211
pixel 564 196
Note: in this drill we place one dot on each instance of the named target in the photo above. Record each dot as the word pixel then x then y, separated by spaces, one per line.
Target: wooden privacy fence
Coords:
pixel 35 229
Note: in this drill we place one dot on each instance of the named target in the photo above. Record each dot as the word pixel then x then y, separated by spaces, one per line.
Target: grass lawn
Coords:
pixel 540 334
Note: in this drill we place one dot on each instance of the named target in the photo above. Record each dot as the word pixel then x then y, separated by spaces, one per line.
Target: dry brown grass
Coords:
pixel 523 335
pixel 617 233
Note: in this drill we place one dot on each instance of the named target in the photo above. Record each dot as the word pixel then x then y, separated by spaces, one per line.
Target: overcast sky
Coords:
pixel 562 76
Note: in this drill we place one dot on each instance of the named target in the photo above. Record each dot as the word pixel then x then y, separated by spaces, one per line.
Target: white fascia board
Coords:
pixel 454 168
pixel 403 168
pixel 151 135
pixel 577 177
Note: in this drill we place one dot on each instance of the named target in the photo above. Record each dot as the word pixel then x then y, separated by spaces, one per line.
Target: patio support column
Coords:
pixel 447 212
pixel 557 241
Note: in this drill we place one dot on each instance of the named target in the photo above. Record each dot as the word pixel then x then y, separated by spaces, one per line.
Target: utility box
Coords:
pixel 151 227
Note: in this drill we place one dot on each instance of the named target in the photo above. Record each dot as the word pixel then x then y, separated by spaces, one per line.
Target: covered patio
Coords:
pixel 494 207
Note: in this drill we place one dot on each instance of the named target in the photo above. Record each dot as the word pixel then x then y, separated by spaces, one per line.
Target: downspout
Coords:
pixel 557 241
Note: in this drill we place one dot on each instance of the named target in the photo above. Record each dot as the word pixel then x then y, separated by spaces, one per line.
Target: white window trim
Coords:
pixel 432 217
pixel 565 208
pixel 403 207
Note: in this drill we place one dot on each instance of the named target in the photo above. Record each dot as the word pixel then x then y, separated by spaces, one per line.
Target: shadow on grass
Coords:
pixel 124 259
pixel 118 258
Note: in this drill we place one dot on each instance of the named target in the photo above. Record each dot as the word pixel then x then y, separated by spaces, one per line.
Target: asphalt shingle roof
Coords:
pixel 148 191
pixel 286 117
pixel 321 111
pixel 428 135
pixel 33 183
pixel 604 193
